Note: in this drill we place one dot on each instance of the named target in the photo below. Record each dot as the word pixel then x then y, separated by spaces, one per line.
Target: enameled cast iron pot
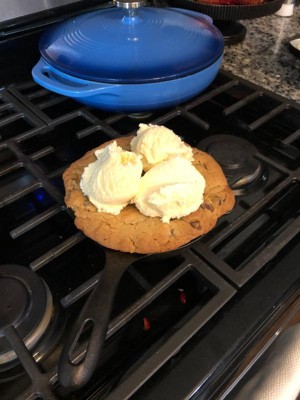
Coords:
pixel 130 58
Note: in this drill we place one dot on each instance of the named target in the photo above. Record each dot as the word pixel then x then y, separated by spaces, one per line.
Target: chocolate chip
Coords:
pixel 207 206
pixel 196 224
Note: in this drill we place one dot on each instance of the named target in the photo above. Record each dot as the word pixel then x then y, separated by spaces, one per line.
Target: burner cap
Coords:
pixel 236 157
pixel 26 304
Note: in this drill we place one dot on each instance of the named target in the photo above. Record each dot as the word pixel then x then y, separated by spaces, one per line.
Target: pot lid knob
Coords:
pixel 130 7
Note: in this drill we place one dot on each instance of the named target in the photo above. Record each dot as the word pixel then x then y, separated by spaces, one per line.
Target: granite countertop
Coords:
pixel 264 58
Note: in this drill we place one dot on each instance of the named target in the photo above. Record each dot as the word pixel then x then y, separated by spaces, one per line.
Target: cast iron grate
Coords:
pixel 38 232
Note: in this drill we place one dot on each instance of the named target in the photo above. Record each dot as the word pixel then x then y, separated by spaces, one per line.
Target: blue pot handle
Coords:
pixel 64 84
pixel 192 13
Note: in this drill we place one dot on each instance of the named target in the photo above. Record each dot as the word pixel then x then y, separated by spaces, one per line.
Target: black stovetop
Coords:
pixel 179 326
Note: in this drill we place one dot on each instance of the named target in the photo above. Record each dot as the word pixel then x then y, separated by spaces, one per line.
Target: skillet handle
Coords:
pixel 73 374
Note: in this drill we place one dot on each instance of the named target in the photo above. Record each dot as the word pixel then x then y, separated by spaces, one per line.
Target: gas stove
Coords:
pixel 180 327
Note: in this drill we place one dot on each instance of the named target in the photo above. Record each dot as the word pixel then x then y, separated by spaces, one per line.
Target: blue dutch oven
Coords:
pixel 130 58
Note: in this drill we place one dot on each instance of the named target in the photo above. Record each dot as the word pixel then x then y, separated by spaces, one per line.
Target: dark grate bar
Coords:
pixel 212 93
pixel 293 137
pixel 80 291
pixel 198 121
pixel 239 104
pixel 267 117
pixel 11 118
pixel 56 251
pixel 34 222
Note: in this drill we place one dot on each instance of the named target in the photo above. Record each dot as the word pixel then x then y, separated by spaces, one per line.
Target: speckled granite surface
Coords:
pixel 264 57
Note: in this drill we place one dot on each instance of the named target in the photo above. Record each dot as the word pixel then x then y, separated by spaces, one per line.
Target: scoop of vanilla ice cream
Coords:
pixel 157 143
pixel 172 189
pixel 113 179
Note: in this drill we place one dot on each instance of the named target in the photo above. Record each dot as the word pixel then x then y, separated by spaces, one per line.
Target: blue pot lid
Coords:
pixel 132 46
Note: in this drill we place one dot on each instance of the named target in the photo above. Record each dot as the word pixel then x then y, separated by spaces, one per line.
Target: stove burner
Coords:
pixel 236 157
pixel 26 304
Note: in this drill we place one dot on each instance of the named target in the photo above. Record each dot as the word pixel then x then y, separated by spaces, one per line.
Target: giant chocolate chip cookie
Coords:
pixel 133 232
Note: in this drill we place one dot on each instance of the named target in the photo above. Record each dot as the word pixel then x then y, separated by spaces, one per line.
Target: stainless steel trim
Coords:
pixel 11 9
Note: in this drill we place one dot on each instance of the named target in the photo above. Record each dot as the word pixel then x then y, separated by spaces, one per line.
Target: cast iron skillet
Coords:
pixel 73 375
